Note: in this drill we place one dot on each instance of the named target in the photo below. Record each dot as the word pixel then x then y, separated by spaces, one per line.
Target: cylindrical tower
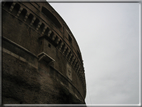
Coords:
pixel 41 60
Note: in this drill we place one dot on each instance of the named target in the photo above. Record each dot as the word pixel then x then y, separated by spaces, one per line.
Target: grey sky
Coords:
pixel 108 37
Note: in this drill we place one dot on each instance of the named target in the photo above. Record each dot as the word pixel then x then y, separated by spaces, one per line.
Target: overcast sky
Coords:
pixel 108 37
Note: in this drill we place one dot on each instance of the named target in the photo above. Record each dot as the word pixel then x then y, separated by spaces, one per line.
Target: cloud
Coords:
pixel 108 36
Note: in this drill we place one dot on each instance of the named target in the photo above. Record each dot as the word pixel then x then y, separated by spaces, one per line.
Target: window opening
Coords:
pixel 63 47
pixel 49 45
pixel 29 20
pixel 7 5
pixel 23 14
pixel 52 34
pixel 49 15
pixel 46 31
pixel 16 9
pixel 41 28
pixel 68 55
pixel 36 22
pixel 66 51
pixel 70 39
pixel 79 55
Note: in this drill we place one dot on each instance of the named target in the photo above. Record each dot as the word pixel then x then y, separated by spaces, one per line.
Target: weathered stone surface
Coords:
pixel 40 56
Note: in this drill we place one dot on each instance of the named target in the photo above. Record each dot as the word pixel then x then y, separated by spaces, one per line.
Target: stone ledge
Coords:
pixel 18 57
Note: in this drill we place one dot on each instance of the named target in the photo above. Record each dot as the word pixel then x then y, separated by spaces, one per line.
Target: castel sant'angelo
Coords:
pixel 41 60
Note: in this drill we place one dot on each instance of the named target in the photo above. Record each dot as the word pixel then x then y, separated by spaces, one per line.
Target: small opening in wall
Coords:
pixel 52 34
pixel 79 55
pixel 49 15
pixel 49 45
pixel 70 39
pixel 16 9
pixel 7 5
pixel 35 24
pixel 40 42
pixel 46 31
pixel 71 58
pixel 29 18
pixel 68 55
pixel 66 51
pixel 23 14
pixel 41 27
pixel 63 47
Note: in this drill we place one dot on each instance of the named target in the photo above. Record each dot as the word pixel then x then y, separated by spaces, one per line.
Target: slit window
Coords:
pixel 29 20
pixel 7 5
pixel 50 16
pixel 49 45
pixel 63 47
pixel 41 27
pixel 23 14
pixel 69 38
pixel 36 22
pixel 52 34
pixel 16 9
pixel 46 31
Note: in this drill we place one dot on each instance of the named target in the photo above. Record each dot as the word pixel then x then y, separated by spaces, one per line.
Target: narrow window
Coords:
pixel 23 14
pixel 51 17
pixel 69 38
pixel 49 45
pixel 51 35
pixel 29 20
pixel 41 28
pixel 46 31
pixel 79 55
pixel 7 5
pixel 66 51
pixel 36 22
pixel 16 9
pixel 63 48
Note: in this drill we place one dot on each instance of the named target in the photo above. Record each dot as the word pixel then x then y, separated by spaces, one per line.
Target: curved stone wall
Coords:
pixel 39 37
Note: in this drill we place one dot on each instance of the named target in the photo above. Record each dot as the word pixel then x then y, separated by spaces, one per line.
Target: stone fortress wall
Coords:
pixel 42 62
